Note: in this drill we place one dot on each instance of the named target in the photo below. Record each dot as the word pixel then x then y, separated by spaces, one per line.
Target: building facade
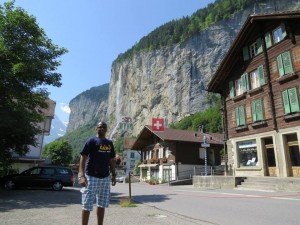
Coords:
pixel 130 157
pixel 33 156
pixel 259 83
pixel 174 154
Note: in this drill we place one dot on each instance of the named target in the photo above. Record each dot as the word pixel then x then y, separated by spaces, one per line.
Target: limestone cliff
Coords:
pixel 87 106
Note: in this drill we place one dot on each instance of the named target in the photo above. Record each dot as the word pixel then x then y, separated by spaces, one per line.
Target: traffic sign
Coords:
pixel 205 145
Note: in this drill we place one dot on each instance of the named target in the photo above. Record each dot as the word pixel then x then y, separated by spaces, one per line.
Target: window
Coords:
pixel 245 82
pixel 132 163
pixel 257 77
pixel 257 111
pixel 290 101
pixel 49 171
pixel 247 153
pixel 284 63
pixel 242 84
pixel 279 34
pixel 35 171
pixel 240 116
pixel 255 48
pixel 132 155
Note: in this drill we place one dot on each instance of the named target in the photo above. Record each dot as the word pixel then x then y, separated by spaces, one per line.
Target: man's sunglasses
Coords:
pixel 104 127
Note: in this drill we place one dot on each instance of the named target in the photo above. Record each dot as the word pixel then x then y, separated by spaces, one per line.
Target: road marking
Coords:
pixel 235 195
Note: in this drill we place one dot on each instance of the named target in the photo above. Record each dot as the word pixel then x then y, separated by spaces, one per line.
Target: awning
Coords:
pixel 148 165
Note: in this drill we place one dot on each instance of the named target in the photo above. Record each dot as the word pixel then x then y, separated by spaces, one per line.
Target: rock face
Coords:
pixel 89 105
pixel 168 83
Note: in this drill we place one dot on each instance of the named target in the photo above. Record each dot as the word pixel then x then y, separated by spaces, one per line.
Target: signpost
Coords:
pixel 205 145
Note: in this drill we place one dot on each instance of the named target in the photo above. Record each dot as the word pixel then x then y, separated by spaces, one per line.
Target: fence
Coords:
pixel 200 170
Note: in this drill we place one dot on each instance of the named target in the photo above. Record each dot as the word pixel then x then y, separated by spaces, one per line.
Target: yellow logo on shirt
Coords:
pixel 105 147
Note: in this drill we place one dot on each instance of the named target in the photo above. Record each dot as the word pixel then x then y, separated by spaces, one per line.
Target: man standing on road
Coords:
pixel 97 161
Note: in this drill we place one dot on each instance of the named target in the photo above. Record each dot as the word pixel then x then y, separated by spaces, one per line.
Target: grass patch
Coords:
pixel 126 202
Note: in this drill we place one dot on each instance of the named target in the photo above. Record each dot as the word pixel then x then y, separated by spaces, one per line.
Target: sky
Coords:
pixel 95 32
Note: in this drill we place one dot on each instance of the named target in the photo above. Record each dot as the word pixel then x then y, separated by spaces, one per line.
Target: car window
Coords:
pixel 35 171
pixel 62 171
pixel 48 171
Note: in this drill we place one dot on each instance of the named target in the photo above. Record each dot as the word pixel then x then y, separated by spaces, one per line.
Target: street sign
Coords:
pixel 205 145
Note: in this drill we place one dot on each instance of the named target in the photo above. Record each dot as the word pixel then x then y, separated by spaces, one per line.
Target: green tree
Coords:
pixel 29 61
pixel 60 152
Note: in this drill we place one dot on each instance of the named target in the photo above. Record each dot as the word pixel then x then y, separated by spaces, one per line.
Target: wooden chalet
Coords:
pixel 259 83
pixel 167 154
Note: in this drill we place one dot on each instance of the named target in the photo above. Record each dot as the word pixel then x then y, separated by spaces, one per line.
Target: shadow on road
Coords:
pixel 38 198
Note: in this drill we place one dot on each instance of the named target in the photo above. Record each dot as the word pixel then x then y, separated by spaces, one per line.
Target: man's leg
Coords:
pixel 85 217
pixel 100 215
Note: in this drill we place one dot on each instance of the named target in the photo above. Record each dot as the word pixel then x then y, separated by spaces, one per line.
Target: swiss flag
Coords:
pixel 158 124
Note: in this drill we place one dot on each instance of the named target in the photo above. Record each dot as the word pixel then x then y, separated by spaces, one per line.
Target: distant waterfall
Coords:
pixel 118 107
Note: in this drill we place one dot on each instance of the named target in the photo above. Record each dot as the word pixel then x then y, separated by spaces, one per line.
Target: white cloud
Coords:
pixel 65 108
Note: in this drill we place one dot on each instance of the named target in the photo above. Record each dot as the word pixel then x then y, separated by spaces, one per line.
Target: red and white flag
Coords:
pixel 158 124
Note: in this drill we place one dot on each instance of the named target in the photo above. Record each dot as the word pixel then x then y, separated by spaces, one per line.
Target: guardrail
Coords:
pixel 200 170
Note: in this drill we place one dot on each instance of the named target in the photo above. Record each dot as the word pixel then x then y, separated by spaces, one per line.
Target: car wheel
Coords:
pixel 57 186
pixel 9 185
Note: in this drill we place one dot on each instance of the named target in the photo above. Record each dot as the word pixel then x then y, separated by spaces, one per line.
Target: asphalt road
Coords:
pixel 156 204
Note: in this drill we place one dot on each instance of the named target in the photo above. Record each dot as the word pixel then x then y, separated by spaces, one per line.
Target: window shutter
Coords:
pixel 261 74
pixel 242 115
pixel 259 110
pixel 245 82
pixel 293 100
pixel 245 53
pixel 287 62
pixel 237 117
pixel 268 40
pixel 259 46
pixel 280 65
pixel 286 102
pixel 283 30
pixel 254 112
pixel 231 89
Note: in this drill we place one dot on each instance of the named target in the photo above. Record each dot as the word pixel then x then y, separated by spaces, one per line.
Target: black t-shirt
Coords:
pixel 99 152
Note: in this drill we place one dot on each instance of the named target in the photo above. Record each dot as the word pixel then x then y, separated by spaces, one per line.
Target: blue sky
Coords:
pixel 95 32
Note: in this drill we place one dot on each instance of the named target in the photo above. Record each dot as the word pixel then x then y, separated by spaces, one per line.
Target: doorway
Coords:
pixel 270 158
pixel 293 155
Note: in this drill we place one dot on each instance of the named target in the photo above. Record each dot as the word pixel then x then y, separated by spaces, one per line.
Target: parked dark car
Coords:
pixel 55 177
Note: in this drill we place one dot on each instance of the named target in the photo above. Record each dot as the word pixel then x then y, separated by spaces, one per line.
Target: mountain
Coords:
pixel 87 106
pixel 167 80
pixel 58 129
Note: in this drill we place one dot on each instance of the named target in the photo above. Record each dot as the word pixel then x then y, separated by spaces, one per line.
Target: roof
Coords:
pixel 128 143
pixel 173 135
pixel 251 24
pixel 49 111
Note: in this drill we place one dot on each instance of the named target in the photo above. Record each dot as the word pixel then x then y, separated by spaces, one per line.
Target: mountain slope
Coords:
pixel 58 129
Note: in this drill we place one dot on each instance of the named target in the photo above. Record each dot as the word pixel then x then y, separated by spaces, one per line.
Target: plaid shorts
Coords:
pixel 98 188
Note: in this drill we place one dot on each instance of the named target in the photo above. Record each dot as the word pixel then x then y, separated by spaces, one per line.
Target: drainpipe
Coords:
pixel 225 130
